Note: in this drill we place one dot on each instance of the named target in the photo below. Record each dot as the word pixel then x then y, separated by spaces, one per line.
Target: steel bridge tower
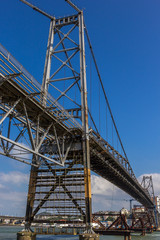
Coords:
pixel 66 190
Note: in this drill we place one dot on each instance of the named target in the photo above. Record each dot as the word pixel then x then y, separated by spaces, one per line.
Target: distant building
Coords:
pixel 138 208
pixel 157 202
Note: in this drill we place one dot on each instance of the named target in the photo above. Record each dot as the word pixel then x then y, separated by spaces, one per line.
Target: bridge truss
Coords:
pixel 47 126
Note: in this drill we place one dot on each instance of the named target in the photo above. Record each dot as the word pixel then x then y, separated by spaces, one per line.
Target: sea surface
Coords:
pixel 10 233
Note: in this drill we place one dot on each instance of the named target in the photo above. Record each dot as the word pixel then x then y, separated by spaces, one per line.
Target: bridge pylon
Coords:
pixel 64 191
pixel 147 184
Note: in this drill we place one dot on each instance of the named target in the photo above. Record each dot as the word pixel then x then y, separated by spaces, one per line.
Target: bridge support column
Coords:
pixel 127 237
pixel 89 236
pixel 26 235
pixel 143 232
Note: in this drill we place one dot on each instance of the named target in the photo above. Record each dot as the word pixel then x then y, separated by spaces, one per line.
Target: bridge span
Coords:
pixel 105 160
pixel 58 141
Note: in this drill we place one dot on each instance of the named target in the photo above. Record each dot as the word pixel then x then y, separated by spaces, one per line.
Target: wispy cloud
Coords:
pixel 18 178
pixel 106 196
pixel 14 196
pixel 1 186
pixel 13 203
pixel 13 192
pixel 101 186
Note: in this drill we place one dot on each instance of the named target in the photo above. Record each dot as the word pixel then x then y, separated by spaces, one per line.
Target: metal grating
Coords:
pixel 58 192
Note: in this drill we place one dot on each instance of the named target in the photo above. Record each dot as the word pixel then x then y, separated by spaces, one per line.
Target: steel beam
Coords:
pixel 85 131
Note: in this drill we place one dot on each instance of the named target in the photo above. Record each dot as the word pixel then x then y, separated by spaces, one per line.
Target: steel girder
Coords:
pixel 112 169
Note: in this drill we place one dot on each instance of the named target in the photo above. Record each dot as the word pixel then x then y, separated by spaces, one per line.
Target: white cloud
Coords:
pixel 15 177
pixel 13 203
pixel 13 192
pixel 2 186
pixel 100 185
pixel 106 196
pixel 14 196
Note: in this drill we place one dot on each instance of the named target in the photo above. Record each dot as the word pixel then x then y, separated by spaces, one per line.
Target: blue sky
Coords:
pixel 125 36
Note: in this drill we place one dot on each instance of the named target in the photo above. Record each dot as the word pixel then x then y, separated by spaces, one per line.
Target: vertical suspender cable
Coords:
pixel 99 108
pixel 90 88
pixel 94 59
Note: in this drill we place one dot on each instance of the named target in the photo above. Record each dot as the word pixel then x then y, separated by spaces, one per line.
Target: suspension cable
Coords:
pixel 94 59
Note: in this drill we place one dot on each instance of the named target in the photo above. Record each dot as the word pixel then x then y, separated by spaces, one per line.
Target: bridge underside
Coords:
pixel 105 161
pixel 106 166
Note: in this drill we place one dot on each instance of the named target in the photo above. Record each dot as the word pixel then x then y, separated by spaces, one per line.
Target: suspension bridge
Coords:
pixel 53 127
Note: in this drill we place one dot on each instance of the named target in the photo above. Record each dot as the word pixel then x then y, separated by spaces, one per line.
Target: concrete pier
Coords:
pixel 26 235
pixel 127 237
pixel 89 236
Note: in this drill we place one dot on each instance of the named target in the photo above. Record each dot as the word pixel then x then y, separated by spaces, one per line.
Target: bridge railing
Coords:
pixel 10 65
pixel 118 157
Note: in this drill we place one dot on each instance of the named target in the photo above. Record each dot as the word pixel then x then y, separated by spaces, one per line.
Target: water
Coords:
pixel 10 233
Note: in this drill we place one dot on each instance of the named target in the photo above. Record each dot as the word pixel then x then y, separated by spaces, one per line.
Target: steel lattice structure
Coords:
pixel 46 126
